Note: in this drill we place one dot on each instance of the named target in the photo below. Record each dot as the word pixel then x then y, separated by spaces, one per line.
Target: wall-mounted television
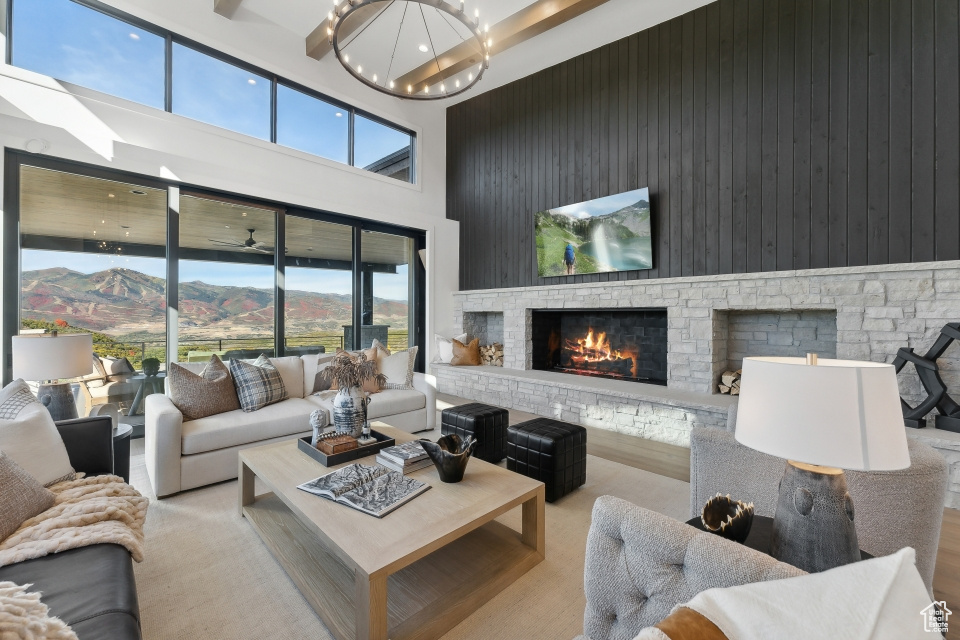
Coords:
pixel 598 236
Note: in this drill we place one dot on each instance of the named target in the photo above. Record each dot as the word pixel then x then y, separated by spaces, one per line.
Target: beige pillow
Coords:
pixel 22 497
pixel 207 394
pixel 323 360
pixel 116 366
pixel 30 437
pixel 398 367
pixel 466 354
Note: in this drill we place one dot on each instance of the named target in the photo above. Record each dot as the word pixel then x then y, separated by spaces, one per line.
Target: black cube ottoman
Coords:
pixel 485 423
pixel 553 452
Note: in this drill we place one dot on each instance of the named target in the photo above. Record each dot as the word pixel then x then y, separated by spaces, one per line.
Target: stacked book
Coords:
pixel 405 458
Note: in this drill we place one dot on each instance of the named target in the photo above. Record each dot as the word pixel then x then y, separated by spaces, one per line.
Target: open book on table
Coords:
pixel 373 490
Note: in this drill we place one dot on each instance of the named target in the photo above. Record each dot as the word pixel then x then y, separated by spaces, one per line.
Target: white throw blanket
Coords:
pixel 87 511
pixel 24 617
pixel 878 599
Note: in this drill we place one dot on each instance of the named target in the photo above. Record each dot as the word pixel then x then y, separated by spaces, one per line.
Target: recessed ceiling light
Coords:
pixel 244 214
pixel 251 81
pixel 424 48
pixel 110 195
pixel 226 226
pixel 134 36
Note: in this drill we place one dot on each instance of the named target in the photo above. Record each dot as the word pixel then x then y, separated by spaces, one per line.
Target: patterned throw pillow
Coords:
pixel 31 438
pixel 13 402
pixel 22 498
pixel 207 394
pixel 258 384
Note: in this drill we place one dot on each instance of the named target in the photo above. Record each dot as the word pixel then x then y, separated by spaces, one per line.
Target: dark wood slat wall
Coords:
pixel 773 134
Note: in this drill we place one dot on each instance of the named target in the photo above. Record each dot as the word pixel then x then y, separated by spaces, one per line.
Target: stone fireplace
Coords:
pixel 622 344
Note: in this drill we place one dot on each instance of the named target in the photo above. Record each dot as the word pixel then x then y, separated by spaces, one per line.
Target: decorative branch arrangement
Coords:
pixel 348 371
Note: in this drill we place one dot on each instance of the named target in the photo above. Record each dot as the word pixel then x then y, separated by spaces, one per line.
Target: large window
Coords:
pixel 387 289
pixel 218 93
pixel 89 43
pixel 92 261
pixel 97 249
pixel 312 125
pixel 382 149
pixel 319 286
pixel 226 279
pixel 74 43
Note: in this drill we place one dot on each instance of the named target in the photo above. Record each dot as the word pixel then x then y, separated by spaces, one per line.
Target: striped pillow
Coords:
pixel 258 384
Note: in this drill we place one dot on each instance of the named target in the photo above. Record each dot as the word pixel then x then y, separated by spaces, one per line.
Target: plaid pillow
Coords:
pixel 258 384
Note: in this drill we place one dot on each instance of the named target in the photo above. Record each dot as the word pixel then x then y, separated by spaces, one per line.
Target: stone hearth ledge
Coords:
pixel 642 410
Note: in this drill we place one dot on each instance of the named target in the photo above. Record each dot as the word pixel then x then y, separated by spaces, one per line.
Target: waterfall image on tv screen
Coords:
pixel 607 234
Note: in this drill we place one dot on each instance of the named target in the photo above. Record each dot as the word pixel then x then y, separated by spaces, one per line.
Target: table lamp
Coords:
pixel 823 417
pixel 47 359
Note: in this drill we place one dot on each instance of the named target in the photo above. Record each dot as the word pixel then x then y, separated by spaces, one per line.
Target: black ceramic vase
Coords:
pixel 727 517
pixel 450 454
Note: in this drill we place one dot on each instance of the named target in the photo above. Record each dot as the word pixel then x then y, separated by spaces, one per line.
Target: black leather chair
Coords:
pixel 92 589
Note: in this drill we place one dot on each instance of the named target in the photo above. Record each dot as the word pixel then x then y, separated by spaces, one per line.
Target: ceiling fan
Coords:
pixel 249 243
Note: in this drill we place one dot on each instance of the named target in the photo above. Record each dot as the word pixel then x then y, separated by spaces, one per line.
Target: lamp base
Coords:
pixel 813 527
pixel 59 401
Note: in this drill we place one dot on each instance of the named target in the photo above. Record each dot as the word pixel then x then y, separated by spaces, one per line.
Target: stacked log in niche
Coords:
pixel 492 354
pixel 730 382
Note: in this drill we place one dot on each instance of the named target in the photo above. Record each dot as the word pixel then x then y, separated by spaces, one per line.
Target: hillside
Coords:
pixel 123 302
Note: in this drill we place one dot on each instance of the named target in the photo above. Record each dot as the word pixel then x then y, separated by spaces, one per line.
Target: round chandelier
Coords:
pixel 411 49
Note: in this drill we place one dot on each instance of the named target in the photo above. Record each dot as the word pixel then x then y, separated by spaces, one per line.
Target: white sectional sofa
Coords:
pixel 183 455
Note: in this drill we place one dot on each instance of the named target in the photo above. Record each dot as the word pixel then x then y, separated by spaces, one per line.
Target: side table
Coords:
pixel 759 537
pixel 121 450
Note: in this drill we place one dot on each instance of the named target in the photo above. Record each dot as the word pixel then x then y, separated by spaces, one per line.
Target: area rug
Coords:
pixel 207 575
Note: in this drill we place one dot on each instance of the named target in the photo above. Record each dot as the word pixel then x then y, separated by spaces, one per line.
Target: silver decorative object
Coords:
pixel 319 422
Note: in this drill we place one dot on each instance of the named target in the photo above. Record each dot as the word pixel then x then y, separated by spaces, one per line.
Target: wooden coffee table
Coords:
pixel 440 557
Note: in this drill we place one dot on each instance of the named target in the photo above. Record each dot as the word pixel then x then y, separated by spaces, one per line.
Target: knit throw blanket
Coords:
pixel 24 617
pixel 87 511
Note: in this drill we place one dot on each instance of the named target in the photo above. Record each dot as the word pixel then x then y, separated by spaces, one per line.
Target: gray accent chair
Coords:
pixel 641 564
pixel 894 509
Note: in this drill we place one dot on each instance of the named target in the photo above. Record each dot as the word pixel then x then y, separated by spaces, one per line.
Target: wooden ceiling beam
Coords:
pixel 226 8
pixel 318 42
pixel 531 21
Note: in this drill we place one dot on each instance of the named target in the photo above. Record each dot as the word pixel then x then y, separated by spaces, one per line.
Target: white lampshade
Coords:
pixel 47 357
pixel 837 413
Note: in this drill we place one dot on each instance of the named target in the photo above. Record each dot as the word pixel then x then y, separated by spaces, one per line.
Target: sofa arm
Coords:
pixel 427 385
pixel 89 443
pixel 640 564
pixel 720 464
pixel 163 432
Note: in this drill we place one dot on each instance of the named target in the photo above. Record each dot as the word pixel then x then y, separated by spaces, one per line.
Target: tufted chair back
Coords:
pixel 641 564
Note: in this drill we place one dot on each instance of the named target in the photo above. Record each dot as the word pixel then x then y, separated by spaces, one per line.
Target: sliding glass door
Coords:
pixel 140 263
pixel 92 260
pixel 227 279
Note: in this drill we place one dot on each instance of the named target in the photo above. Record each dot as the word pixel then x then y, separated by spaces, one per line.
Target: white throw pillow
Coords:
pixel 30 437
pixel 445 347
pixel 398 367
pixel 878 599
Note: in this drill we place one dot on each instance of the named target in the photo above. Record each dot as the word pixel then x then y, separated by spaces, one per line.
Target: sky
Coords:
pixel 76 44
pixel 603 206
pixel 387 286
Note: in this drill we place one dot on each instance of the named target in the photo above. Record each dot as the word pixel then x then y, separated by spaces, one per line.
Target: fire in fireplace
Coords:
pixel 621 344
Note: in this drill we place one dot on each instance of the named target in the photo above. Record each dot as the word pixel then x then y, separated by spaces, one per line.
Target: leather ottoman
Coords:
pixel 553 452
pixel 485 423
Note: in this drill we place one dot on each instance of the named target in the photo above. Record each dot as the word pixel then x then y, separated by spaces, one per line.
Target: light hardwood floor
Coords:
pixel 674 462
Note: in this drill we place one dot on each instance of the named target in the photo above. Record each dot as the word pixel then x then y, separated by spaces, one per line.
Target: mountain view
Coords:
pixel 127 304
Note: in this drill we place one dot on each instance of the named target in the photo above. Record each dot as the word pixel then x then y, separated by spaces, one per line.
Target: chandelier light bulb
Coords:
pixel 469 77
pixel 457 84
pixel 374 77
pixel 359 69
pixel 486 28
pixel 409 88
pixel 391 84
pixel 346 58
pixel 426 89
pixel 330 16
pixel 443 88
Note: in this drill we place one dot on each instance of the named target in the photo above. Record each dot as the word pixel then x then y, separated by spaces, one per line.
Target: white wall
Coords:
pixel 83 125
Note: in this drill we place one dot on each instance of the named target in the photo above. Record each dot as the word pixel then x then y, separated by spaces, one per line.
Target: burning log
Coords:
pixel 730 382
pixel 492 355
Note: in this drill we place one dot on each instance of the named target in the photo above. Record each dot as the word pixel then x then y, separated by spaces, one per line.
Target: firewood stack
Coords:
pixel 492 354
pixel 730 382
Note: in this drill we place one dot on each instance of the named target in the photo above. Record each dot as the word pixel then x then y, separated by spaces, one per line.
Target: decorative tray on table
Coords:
pixel 346 456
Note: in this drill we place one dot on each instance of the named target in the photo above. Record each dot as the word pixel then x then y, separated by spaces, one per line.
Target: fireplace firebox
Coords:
pixel 624 344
